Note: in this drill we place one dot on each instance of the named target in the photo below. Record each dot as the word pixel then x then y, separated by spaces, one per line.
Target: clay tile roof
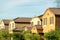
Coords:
pixel 6 21
pixel 22 19
pixel 56 11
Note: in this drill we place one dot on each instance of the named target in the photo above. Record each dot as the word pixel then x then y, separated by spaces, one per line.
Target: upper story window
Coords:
pixel 51 20
pixel 45 21
pixel 11 26
pixel 38 23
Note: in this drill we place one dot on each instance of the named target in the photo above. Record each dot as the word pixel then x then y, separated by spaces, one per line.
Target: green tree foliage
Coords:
pixel 4 34
pixel 17 36
pixel 26 35
pixel 30 36
pixel 53 35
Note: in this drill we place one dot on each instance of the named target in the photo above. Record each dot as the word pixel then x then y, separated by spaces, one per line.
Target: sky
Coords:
pixel 10 9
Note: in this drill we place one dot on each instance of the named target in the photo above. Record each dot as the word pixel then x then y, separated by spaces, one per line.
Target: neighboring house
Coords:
pixel 21 23
pixel 37 24
pixel 5 23
pixel 36 21
pixel 51 19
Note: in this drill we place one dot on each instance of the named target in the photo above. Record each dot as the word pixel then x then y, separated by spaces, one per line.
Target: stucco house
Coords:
pixel 5 23
pixel 11 26
pixel 36 21
pixel 51 19
pixel 37 24
pixel 22 23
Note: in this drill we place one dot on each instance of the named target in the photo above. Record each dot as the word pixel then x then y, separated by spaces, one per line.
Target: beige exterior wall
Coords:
pixel 34 30
pixel 11 26
pixel 35 21
pixel 48 27
pixel 2 26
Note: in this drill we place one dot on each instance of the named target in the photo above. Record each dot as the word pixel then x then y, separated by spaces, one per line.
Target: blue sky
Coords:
pixel 24 8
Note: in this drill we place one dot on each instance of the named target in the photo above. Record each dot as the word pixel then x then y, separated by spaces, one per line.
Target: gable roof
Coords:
pixel 18 19
pixel 56 11
pixel 6 22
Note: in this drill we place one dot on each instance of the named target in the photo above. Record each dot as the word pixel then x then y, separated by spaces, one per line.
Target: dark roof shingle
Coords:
pixel 6 21
pixel 56 11
pixel 22 19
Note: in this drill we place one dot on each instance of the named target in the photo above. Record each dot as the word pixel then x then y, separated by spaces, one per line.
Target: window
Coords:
pixel 11 26
pixel 51 20
pixel 45 21
pixel 38 23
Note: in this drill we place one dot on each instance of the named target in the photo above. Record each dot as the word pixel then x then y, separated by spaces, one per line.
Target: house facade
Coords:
pixel 37 24
pixel 50 19
pixel 36 21
pixel 22 23
pixel 5 23
pixel 11 26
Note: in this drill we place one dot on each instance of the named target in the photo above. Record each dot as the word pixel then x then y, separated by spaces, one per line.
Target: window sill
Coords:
pixel 51 24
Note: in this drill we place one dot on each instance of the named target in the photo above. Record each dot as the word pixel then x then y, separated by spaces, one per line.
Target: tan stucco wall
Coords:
pixel 35 21
pixel 34 30
pixel 2 26
pixel 48 27
pixel 10 26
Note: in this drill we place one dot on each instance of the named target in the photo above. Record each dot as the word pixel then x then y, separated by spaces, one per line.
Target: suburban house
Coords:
pixel 51 19
pixel 37 24
pixel 47 22
pixel 5 23
pixel 22 23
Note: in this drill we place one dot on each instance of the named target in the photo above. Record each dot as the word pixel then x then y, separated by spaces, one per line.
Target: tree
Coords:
pixel 30 36
pixel 4 34
pixel 18 36
pixel 53 35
